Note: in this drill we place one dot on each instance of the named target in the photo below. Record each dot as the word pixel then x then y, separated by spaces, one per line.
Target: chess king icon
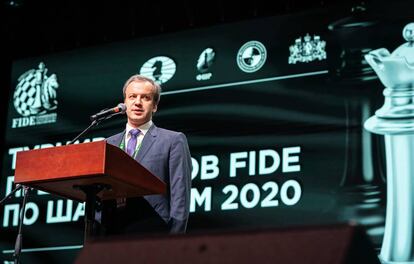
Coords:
pixel 395 120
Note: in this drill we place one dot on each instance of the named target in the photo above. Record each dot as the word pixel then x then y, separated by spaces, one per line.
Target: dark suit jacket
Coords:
pixel 165 153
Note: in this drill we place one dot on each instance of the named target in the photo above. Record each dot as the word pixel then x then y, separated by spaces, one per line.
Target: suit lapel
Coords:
pixel 147 142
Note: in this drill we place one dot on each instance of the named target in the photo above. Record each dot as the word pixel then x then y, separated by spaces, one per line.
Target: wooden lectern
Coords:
pixel 83 172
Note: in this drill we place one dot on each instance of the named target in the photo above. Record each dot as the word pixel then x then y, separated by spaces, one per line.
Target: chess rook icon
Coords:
pixel 395 120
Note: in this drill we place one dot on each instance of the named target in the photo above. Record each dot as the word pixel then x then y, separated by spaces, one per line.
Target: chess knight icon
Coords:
pixel 308 50
pixel 395 120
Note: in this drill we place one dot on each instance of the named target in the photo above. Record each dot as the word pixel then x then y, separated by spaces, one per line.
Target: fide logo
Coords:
pixel 161 69
pixel 251 56
pixel 35 98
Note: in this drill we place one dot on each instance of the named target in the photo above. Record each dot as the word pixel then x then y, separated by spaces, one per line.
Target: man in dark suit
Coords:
pixel 163 152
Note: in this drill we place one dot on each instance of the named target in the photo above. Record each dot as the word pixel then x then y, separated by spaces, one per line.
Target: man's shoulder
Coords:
pixel 169 134
pixel 115 139
pixel 164 131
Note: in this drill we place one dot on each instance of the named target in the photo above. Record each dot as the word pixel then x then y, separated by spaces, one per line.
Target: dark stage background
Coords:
pixel 272 100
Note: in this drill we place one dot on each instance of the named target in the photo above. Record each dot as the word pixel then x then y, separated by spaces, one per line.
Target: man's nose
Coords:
pixel 138 100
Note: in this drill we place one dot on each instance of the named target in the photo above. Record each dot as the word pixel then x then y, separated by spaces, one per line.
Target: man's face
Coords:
pixel 139 100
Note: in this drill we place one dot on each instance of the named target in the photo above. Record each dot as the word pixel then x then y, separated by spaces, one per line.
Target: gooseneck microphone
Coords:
pixel 119 109
pixel 101 116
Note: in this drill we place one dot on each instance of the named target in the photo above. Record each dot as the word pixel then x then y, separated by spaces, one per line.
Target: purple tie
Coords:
pixel 132 142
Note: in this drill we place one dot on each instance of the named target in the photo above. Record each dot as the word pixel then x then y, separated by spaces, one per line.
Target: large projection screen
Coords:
pixel 273 110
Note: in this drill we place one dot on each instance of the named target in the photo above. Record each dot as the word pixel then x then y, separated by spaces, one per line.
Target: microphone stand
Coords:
pixel 19 238
pixel 18 187
pixel 94 123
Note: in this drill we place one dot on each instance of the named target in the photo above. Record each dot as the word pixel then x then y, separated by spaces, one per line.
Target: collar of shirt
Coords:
pixel 144 129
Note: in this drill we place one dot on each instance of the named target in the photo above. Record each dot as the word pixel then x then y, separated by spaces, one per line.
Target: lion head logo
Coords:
pixel 36 92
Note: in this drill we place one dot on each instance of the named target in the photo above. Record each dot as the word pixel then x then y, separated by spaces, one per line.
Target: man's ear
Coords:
pixel 155 108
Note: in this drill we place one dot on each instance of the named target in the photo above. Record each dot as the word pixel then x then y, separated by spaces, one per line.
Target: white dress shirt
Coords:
pixel 144 129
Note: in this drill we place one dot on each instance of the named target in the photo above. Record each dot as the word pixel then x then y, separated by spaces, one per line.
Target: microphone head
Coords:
pixel 122 107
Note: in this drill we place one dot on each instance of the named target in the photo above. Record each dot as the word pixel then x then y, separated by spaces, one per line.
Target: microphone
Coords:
pixel 107 113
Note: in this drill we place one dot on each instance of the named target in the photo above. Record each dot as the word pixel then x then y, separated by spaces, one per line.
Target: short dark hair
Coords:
pixel 141 78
